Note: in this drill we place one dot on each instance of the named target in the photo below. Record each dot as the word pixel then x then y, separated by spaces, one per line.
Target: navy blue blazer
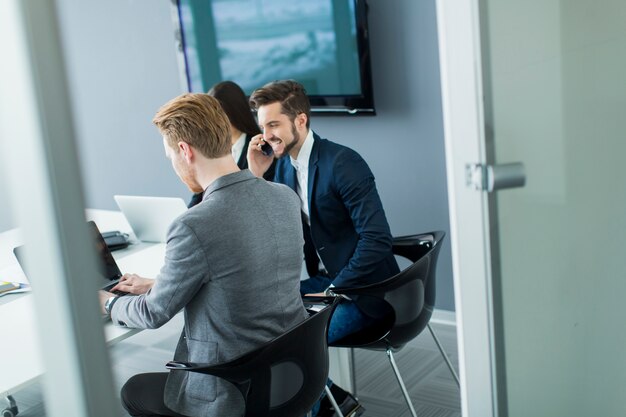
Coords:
pixel 348 229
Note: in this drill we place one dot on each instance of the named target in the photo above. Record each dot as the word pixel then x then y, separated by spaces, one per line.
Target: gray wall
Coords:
pixel 403 143
pixel 122 66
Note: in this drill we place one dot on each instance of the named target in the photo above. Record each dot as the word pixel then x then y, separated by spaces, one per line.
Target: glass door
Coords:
pixel 550 92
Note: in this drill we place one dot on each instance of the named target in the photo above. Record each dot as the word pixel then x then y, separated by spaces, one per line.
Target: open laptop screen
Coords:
pixel 150 217
pixel 108 267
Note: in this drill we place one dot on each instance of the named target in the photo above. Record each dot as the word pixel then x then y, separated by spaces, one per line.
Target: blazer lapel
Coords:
pixel 291 179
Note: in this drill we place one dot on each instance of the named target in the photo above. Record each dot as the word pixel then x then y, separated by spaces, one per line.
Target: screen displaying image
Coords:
pixel 253 42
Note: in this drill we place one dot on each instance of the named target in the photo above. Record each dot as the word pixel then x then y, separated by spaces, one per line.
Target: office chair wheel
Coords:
pixel 11 410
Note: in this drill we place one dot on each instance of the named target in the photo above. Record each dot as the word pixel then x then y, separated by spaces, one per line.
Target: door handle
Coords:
pixel 495 177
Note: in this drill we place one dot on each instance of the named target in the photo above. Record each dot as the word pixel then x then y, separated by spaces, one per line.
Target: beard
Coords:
pixel 294 142
pixel 194 187
pixel 188 178
pixel 190 181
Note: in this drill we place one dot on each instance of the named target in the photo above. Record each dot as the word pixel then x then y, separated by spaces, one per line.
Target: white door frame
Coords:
pixel 463 116
pixel 45 190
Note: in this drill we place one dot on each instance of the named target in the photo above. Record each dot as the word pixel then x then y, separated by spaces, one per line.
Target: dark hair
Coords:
pixel 289 93
pixel 233 101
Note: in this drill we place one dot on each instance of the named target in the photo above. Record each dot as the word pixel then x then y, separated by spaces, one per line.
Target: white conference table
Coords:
pixel 21 364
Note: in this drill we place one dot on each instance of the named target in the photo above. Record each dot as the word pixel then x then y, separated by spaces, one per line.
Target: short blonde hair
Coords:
pixel 197 119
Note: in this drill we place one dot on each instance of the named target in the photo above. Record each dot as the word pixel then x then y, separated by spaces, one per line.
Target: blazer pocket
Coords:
pixel 201 386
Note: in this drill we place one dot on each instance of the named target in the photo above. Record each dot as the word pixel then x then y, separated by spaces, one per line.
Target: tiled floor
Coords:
pixel 426 376
pixel 431 387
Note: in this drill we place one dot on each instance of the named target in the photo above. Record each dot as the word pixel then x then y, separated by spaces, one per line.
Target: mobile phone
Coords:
pixel 266 149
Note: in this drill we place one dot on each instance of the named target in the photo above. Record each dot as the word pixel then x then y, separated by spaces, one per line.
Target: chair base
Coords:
pixel 11 410
pixel 392 361
pixel 396 372
pixel 445 357
pixel 355 412
pixel 333 402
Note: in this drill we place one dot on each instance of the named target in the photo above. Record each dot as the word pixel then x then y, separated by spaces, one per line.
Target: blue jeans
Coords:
pixel 346 319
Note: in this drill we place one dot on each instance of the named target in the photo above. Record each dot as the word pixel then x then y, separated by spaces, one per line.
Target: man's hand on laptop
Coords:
pixel 133 284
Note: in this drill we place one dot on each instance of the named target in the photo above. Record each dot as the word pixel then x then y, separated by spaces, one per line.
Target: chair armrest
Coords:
pixel 371 289
pixel 412 240
pixel 180 365
pixel 318 299
pixel 217 369
pixel 313 304
pixel 192 367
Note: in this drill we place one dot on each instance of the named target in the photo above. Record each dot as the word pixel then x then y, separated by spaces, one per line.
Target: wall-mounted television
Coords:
pixel 323 44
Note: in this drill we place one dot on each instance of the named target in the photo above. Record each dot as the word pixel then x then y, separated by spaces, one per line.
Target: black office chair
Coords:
pixel 409 297
pixel 285 376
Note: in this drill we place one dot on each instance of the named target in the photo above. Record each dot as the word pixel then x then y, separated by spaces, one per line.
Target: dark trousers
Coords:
pixel 142 396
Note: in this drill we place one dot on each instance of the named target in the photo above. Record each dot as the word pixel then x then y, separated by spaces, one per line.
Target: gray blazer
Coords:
pixel 232 264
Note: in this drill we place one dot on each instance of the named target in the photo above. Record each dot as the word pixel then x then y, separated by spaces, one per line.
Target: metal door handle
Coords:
pixel 495 177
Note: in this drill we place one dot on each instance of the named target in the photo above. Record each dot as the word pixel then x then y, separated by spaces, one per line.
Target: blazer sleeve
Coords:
pixel 355 184
pixel 185 271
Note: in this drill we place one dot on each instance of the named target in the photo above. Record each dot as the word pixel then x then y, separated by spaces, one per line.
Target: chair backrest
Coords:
pixel 412 296
pixel 409 295
pixel 414 247
pixel 284 377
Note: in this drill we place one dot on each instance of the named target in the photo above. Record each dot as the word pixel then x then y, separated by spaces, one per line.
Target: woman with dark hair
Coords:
pixel 242 125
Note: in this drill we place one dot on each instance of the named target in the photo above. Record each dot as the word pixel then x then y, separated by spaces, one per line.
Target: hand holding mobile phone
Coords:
pixel 266 148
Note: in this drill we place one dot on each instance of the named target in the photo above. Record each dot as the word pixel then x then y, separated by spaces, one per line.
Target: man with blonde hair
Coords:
pixel 221 267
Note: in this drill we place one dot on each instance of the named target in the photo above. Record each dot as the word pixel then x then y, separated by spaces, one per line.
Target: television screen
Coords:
pixel 321 44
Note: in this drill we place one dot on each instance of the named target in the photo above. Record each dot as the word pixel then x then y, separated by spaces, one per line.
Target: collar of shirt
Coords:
pixel 301 163
pixel 237 147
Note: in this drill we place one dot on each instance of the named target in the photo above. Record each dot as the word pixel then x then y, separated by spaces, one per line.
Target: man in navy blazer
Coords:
pixel 347 237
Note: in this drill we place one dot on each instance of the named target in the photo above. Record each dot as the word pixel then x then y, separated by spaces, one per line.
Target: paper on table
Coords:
pixel 13 287
pixel 8 286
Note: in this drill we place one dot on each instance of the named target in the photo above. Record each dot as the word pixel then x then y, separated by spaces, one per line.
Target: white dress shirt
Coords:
pixel 301 164
pixel 237 147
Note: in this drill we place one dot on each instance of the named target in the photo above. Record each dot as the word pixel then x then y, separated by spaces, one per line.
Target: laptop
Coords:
pixel 111 273
pixel 150 217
